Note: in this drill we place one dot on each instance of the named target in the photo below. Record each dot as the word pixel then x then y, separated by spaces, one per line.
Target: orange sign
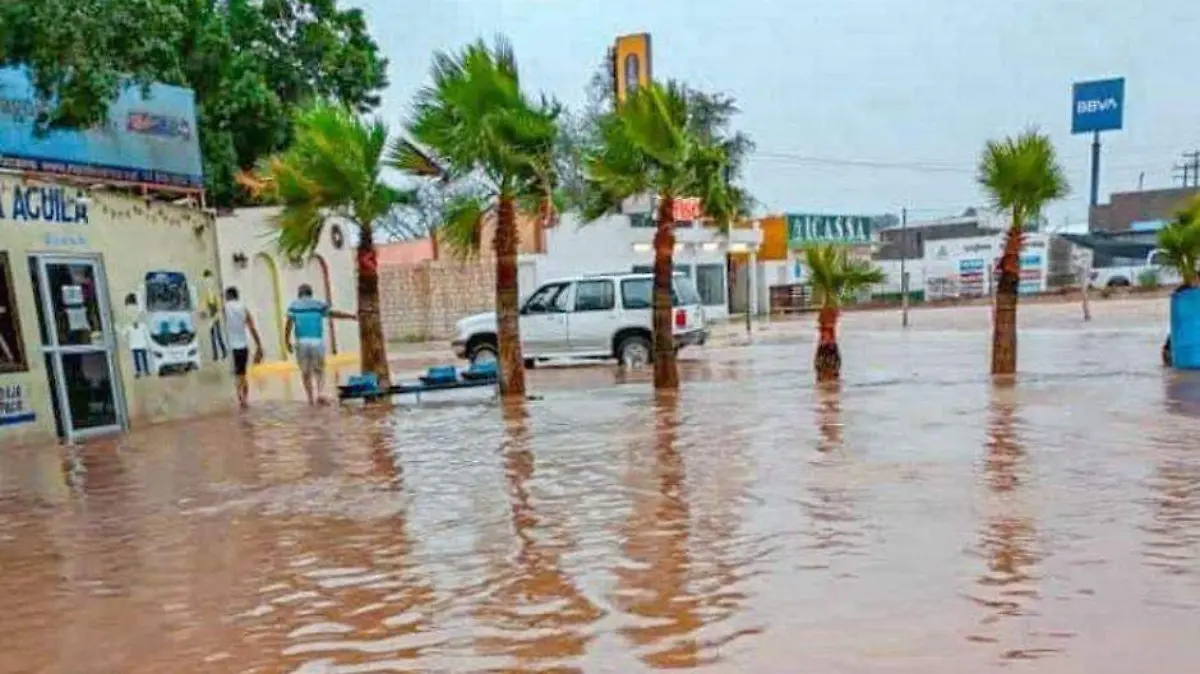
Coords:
pixel 631 64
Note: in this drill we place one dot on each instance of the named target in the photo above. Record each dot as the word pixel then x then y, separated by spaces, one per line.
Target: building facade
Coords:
pixel 267 281
pixel 102 316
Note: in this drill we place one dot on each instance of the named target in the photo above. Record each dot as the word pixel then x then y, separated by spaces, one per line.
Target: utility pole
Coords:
pixel 1182 171
pixel 904 267
pixel 1192 160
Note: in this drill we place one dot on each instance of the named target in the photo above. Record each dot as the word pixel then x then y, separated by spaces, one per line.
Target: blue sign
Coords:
pixel 1147 225
pixel 1098 106
pixel 149 140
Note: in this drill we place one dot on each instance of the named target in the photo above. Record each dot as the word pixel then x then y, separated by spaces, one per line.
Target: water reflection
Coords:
pixel 530 609
pixel 1008 587
pixel 916 520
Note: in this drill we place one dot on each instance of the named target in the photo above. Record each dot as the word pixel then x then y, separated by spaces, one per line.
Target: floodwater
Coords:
pixel 919 519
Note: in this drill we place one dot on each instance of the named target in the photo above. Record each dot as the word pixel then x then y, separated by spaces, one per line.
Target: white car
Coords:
pixel 601 316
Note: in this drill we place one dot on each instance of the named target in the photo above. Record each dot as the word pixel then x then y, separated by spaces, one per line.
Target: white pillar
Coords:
pixel 752 271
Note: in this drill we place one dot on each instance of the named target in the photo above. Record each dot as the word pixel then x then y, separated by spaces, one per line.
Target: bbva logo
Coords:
pixel 1097 105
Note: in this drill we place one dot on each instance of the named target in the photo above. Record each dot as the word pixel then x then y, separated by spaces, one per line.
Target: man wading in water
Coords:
pixel 306 317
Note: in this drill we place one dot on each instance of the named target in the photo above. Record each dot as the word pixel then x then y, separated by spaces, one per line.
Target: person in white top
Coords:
pixel 135 334
pixel 237 323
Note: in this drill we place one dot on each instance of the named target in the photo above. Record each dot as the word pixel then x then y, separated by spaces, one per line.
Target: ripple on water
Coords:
pixel 915 519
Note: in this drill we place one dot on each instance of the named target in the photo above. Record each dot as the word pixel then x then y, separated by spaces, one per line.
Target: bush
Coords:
pixel 1148 279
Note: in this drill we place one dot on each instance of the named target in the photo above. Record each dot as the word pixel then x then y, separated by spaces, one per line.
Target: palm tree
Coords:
pixel 649 145
pixel 332 169
pixel 834 277
pixel 1020 175
pixel 475 124
pixel 1179 243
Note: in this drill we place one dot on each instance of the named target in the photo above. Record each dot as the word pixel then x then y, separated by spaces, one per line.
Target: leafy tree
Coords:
pixel 1020 175
pixel 475 124
pixel 332 170
pixel 834 277
pixel 251 63
pixel 649 145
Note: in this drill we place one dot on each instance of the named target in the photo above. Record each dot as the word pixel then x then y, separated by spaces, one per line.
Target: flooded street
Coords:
pixel 919 519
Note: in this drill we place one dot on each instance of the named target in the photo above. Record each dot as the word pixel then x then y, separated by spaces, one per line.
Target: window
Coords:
pixel 649 269
pixel 543 300
pixel 594 296
pixel 710 282
pixel 12 348
pixel 637 293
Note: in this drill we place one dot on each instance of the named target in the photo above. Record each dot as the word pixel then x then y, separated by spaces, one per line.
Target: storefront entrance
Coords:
pixel 78 343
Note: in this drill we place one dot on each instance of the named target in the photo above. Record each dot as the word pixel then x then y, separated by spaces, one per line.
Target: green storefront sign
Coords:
pixel 808 228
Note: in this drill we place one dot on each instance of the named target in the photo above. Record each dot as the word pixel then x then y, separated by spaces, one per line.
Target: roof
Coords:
pixel 1115 246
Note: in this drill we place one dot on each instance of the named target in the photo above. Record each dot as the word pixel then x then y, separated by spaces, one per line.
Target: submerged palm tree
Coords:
pixel 834 277
pixel 1020 175
pixel 648 146
pixel 474 124
pixel 332 169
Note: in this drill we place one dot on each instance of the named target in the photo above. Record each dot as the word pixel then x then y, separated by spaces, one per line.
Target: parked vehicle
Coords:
pixel 601 316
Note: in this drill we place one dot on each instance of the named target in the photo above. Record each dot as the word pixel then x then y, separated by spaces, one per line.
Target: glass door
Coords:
pixel 79 343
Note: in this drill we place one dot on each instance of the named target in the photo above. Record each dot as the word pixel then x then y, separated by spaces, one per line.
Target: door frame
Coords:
pixel 56 351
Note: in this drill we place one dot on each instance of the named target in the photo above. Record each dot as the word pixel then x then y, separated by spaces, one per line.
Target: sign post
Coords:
pixel 1096 106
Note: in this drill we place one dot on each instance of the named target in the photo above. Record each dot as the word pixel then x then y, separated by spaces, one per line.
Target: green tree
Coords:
pixel 1020 175
pixel 1179 243
pixel 834 278
pixel 332 170
pixel 250 63
pixel 649 146
pixel 475 124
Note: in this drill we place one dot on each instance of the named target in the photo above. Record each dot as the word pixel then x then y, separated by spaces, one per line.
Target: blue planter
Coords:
pixel 1185 329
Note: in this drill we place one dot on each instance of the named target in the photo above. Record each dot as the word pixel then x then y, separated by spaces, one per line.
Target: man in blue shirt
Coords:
pixel 306 318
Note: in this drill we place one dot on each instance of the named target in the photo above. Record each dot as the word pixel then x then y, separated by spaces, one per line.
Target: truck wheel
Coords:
pixel 634 352
pixel 530 363
pixel 482 352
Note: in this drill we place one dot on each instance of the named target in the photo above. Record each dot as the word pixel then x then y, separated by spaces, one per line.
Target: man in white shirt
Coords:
pixel 237 323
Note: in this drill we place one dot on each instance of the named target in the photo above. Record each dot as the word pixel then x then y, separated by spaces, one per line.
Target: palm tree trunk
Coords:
pixel 508 326
pixel 666 370
pixel 827 362
pixel 372 347
pixel 1004 321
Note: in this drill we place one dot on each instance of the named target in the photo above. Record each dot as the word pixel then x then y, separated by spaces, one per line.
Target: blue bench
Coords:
pixel 442 378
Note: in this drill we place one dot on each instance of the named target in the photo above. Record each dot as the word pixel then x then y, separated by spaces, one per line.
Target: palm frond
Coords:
pixel 1179 242
pixel 463 223
pixel 834 276
pixel 1021 175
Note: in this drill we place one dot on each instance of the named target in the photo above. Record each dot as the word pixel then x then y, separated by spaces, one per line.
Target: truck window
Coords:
pixel 637 293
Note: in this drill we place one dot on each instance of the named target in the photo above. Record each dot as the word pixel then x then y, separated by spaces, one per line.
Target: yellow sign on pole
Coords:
pixel 631 64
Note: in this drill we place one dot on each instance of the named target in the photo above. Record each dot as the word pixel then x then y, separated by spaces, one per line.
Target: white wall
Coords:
pixel 942 264
pixel 611 244
pixel 268 282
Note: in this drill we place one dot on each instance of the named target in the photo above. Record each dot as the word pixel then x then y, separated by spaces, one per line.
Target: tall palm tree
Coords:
pixel 1020 175
pixel 834 277
pixel 332 169
pixel 648 146
pixel 475 124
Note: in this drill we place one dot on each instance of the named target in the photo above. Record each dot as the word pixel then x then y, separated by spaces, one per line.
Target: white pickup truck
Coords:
pixel 599 317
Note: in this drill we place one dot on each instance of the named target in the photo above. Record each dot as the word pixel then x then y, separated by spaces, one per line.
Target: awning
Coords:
pixel 1115 248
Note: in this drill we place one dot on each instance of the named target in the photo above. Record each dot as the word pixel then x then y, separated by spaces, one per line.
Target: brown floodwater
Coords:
pixel 918 519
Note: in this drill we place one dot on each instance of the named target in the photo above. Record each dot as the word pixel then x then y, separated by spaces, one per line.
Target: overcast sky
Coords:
pixel 911 82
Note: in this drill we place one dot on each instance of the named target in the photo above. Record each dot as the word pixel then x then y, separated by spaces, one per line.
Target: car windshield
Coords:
pixel 686 290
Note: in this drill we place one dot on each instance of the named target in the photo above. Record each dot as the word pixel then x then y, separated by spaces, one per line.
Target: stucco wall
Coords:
pixel 131 238
pixel 267 281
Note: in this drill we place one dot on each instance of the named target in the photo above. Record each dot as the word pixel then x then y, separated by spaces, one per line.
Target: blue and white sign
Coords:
pixel 13 407
pixel 1098 106
pixel 150 140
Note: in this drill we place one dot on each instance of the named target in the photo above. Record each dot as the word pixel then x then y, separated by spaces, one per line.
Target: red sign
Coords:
pixel 687 210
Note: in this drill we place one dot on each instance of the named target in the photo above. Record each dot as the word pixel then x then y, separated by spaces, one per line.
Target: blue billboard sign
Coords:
pixel 1098 106
pixel 150 140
